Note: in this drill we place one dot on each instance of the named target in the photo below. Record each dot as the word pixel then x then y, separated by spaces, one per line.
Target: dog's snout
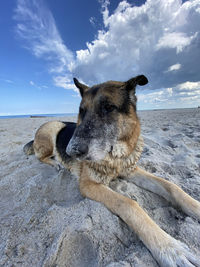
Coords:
pixel 82 149
pixel 77 149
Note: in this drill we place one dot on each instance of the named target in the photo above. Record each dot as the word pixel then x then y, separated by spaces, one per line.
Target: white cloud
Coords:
pixel 146 39
pixel 64 82
pixel 197 92
pixel 8 81
pixel 189 86
pixel 93 21
pixel 189 98
pixel 174 67
pixel 37 27
pixel 37 85
pixel 32 83
pixel 170 91
pixel 104 7
pixel 178 40
pixel 187 93
pixel 153 97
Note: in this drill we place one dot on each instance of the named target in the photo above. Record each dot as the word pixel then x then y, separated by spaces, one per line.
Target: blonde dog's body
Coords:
pixel 106 144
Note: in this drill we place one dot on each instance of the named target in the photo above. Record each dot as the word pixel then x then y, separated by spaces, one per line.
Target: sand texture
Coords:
pixel 44 221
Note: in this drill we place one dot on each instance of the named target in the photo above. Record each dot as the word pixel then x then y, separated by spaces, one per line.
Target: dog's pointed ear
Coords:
pixel 82 87
pixel 138 80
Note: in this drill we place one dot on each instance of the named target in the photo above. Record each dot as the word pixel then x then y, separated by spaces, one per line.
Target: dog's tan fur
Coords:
pixel 95 176
pixel 45 142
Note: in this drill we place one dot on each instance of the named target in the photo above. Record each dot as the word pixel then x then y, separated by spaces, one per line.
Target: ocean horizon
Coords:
pixel 38 115
pixel 75 114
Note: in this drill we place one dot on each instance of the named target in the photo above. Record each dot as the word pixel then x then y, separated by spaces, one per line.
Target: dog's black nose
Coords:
pixel 82 150
pixel 76 148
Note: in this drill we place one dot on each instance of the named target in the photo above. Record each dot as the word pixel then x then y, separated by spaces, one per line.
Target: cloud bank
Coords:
pixel 185 94
pixel 148 39
pixel 160 39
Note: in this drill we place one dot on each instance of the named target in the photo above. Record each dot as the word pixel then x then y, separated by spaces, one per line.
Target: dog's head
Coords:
pixel 107 115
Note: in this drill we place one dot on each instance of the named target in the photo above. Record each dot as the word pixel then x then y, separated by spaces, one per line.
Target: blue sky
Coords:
pixel 45 43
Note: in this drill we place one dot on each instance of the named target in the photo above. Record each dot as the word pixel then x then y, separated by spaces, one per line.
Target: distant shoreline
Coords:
pixel 39 115
pixel 75 114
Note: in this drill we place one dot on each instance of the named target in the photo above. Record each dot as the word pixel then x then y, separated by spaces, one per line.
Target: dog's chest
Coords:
pixel 107 170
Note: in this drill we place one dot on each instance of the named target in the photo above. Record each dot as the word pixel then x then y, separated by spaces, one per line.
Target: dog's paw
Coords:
pixel 177 254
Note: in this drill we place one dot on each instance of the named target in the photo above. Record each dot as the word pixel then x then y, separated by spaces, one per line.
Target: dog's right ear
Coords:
pixel 82 87
pixel 138 80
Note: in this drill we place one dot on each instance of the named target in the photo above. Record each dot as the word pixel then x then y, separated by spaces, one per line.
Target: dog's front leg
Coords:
pixel 168 190
pixel 166 250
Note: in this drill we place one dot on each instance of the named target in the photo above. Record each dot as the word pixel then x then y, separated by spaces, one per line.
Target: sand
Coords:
pixel 44 221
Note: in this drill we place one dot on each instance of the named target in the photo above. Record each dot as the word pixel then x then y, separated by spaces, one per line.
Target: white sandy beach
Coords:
pixel 44 221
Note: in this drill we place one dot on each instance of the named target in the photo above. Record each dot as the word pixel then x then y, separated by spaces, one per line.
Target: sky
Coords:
pixel 45 43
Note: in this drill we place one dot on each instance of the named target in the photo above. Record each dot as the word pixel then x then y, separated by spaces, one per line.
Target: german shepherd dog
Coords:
pixel 105 144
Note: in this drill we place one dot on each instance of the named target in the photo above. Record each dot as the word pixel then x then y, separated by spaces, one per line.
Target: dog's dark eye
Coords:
pixel 109 108
pixel 106 109
pixel 82 112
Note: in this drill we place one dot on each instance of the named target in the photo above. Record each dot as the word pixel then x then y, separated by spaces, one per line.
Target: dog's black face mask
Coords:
pixel 107 112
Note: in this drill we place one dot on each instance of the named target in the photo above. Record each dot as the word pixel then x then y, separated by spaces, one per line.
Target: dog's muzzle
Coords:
pixel 77 149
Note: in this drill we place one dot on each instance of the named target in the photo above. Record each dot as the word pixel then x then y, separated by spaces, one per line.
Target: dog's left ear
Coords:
pixel 82 87
pixel 138 80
